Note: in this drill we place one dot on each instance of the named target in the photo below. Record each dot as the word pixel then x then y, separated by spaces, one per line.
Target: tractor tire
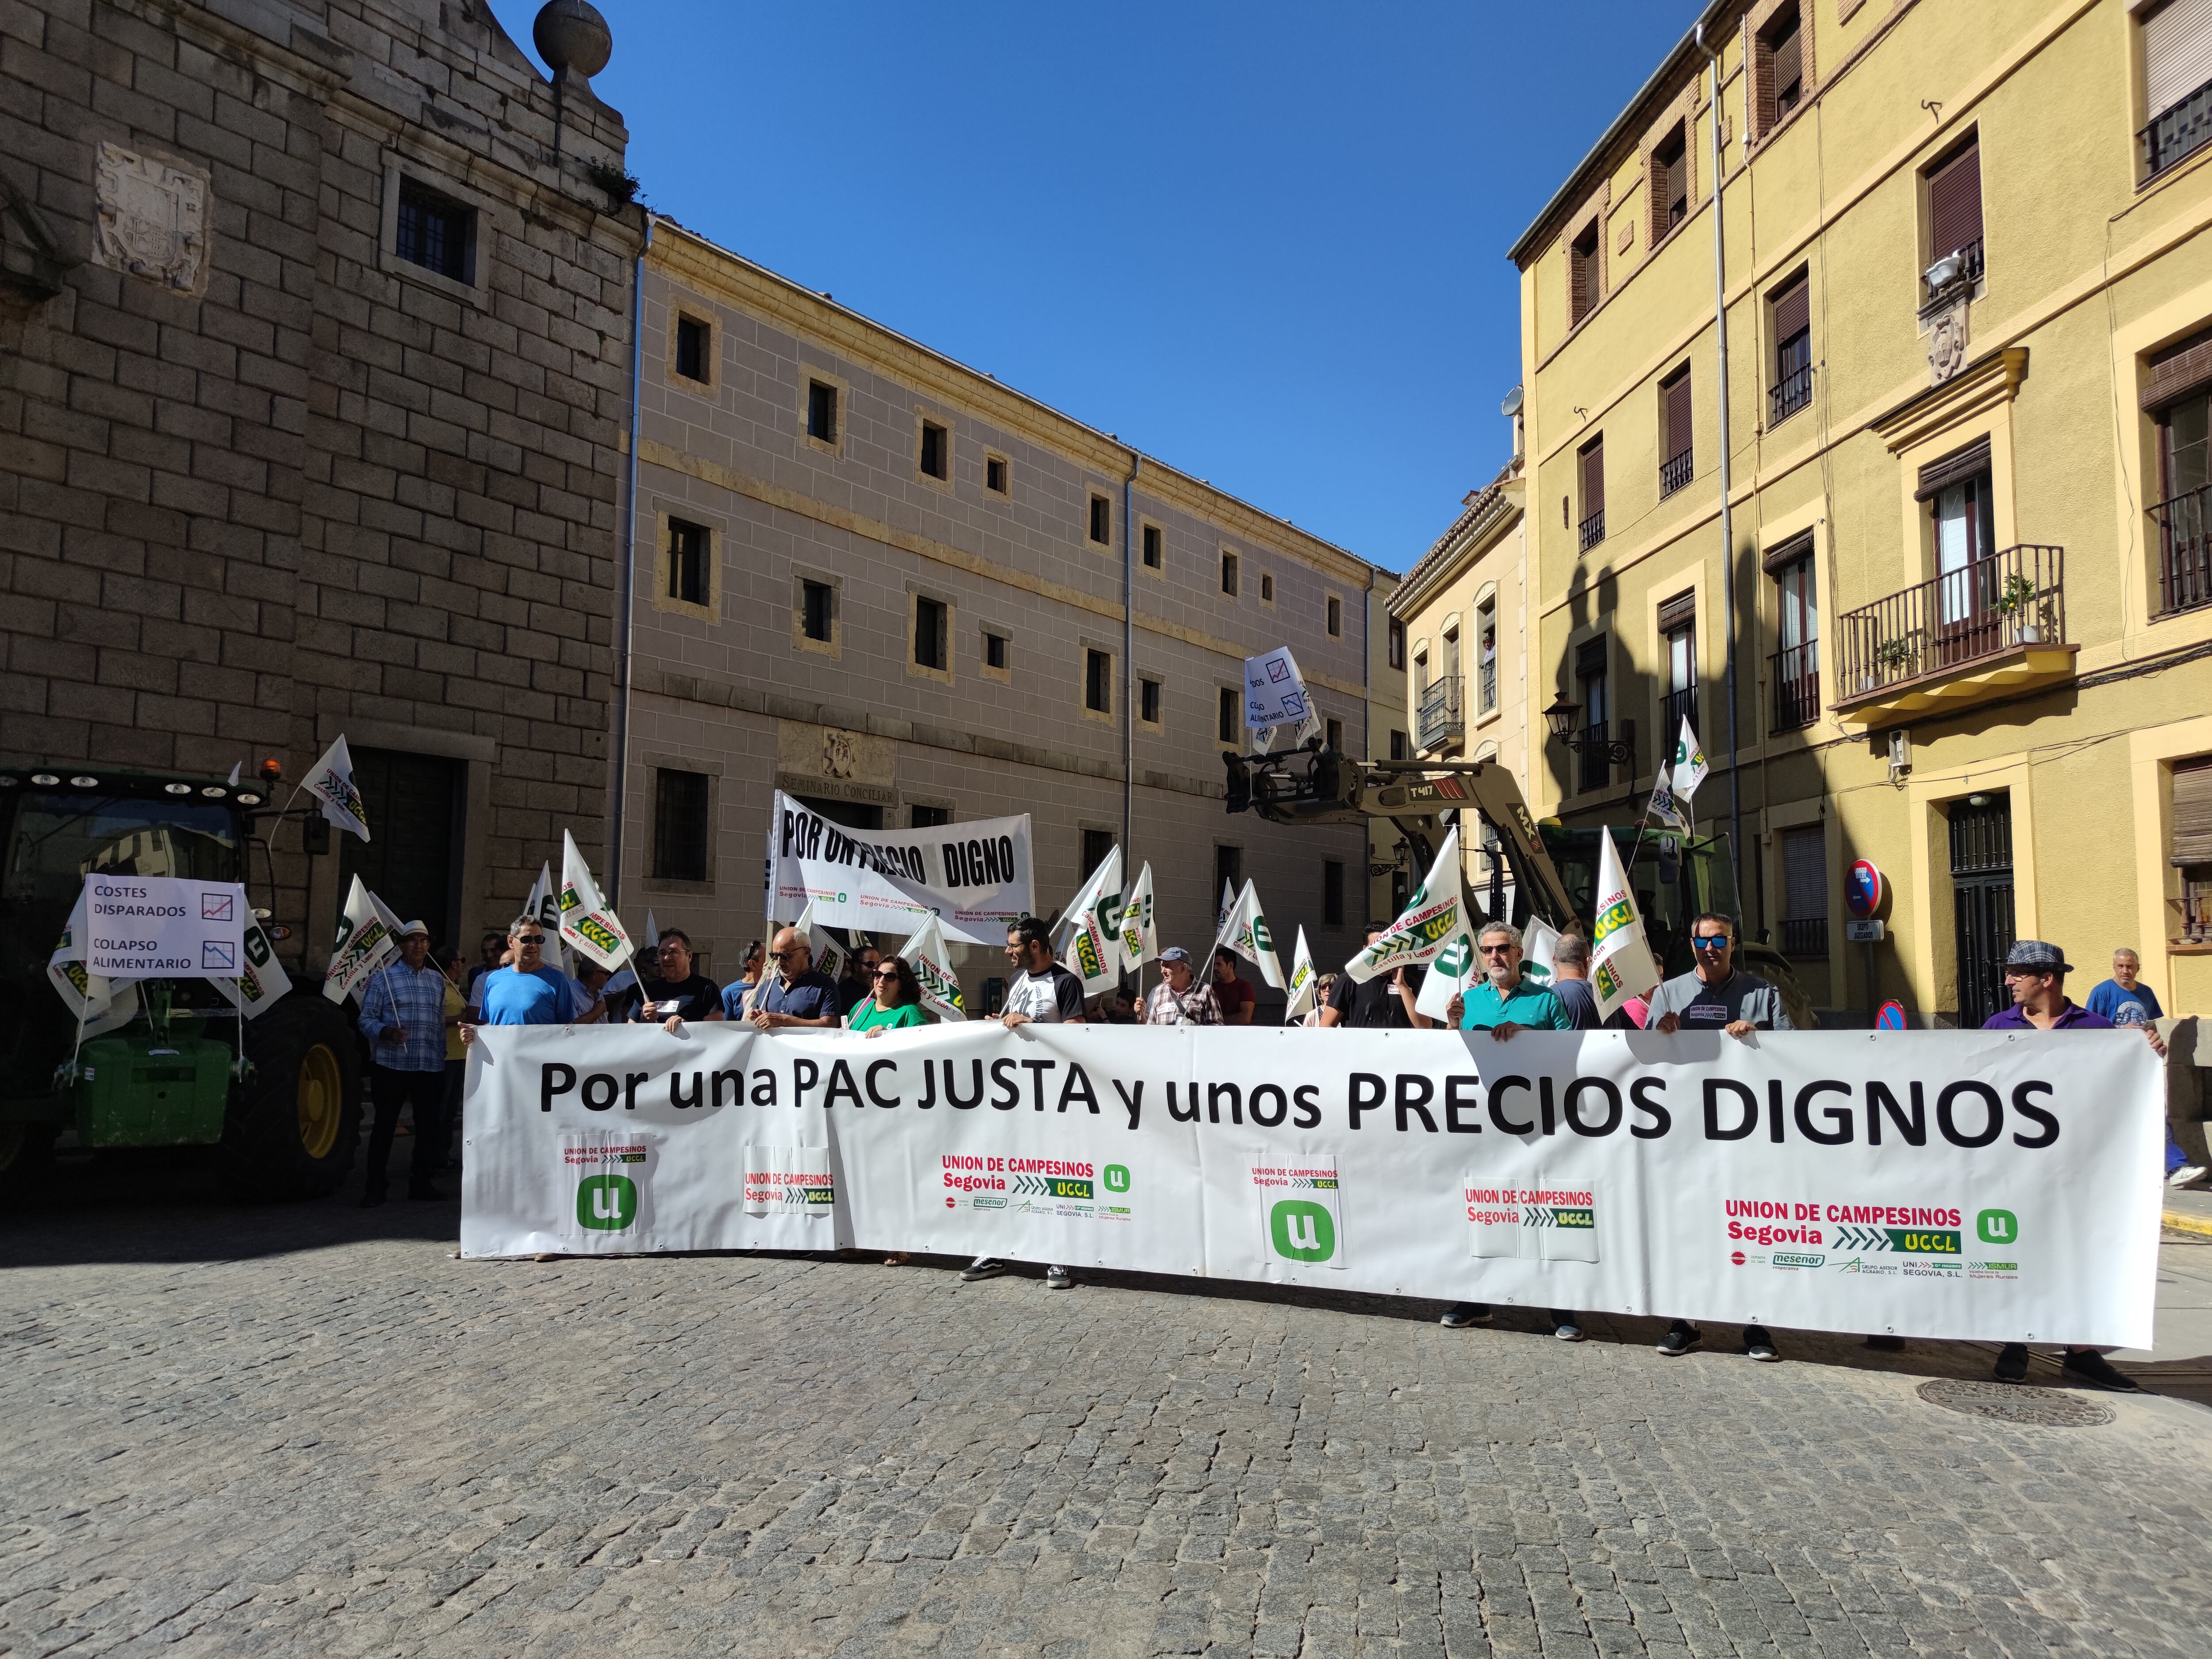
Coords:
pixel 292 1131
pixel 27 1153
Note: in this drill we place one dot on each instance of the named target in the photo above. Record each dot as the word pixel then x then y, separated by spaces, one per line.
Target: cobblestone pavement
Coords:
pixel 310 1430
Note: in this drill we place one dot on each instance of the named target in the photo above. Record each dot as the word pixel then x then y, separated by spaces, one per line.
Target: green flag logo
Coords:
pixel 1302 1230
pixel 606 1203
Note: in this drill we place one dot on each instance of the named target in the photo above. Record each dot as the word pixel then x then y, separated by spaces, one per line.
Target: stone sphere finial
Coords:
pixel 572 35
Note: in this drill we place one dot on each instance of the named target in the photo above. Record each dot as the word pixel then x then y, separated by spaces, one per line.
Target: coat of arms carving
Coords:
pixel 152 218
pixel 1947 339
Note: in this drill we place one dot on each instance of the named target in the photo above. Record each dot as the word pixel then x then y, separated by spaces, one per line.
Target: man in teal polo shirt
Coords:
pixel 1502 1005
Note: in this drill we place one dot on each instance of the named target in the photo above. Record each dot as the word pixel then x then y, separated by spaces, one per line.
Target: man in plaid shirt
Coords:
pixel 1179 999
pixel 403 1015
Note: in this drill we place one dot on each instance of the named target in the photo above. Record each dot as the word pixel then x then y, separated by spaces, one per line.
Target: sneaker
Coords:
pixel 2012 1362
pixel 1681 1337
pixel 1885 1344
pixel 1564 1327
pixel 1461 1314
pixel 2094 1370
pixel 983 1266
pixel 1759 1346
pixel 2185 1175
pixel 1057 1278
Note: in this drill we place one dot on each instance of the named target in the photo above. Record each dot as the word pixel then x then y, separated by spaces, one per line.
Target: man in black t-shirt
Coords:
pixel 679 990
pixel 1384 1002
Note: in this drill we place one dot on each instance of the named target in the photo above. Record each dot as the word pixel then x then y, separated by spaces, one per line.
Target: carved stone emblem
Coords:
pixel 1947 339
pixel 152 218
pixel 838 760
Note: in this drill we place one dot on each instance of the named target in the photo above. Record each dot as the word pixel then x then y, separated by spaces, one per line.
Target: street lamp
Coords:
pixel 1560 717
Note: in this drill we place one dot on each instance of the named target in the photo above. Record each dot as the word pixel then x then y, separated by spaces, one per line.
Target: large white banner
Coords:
pixel 974 877
pixel 1983 1185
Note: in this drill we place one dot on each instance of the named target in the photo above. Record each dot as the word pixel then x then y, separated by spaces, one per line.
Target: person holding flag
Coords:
pixel 403 1015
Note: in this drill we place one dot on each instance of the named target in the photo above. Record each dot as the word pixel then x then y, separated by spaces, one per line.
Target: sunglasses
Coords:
pixel 886 973
pixel 1712 941
pixel 782 956
pixel 530 938
pixel 1495 950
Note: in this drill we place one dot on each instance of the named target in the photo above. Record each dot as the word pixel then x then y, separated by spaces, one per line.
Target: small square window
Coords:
pixel 1097 847
pixel 1335 617
pixel 1267 587
pixel 928 817
pixel 1148 702
pixel 1230 724
pixel 1332 893
pixel 679 825
pixel 1098 681
pixel 1333 734
pixel 929 626
pixel 816 600
pixel 1398 750
pixel 995 474
pixel 1153 557
pixel 822 412
pixel 936 451
pixel 1229 573
pixel 688 545
pixel 692 340
pixel 994 651
pixel 438 234
pixel 1102 521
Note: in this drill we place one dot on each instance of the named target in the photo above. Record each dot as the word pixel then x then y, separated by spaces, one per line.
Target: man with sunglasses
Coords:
pixel 791 995
pixel 526 992
pixel 1715 997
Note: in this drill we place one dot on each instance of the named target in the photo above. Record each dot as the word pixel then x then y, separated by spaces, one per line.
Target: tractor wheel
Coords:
pixel 291 1132
pixel 26 1153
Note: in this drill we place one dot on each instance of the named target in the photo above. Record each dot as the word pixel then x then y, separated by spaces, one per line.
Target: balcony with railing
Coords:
pixel 1968 273
pixel 1678 705
pixel 1796 673
pixel 1487 686
pixel 1674 473
pixel 1592 530
pixel 1984 630
pixel 2179 129
pixel 1805 936
pixel 1442 719
pixel 1788 395
pixel 1596 756
pixel 2184 552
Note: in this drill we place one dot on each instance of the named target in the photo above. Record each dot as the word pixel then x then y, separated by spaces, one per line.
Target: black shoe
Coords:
pixel 371 1198
pixel 2012 1362
pixel 1461 1314
pixel 983 1266
pixel 1681 1338
pixel 1759 1346
pixel 1885 1344
pixel 2095 1371
pixel 423 1192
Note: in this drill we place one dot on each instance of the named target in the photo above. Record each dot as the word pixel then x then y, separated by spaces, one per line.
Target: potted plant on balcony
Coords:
pixel 2017 601
pixel 1893 657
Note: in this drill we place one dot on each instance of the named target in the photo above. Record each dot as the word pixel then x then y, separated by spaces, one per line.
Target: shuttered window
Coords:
pixel 1804 873
pixel 1593 467
pixel 1678 611
pixel 1777 69
pixel 2176 44
pixel 2181 370
pixel 1793 309
pixel 1954 204
pixel 1670 182
pixel 1674 407
pixel 1956 467
pixel 1582 276
pixel 2192 810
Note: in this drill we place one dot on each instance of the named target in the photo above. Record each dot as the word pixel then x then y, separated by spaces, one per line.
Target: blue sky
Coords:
pixel 1266 244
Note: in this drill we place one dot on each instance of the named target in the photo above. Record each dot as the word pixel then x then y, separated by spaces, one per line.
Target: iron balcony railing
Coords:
pixel 1970 269
pixel 2181 130
pixel 1592 530
pixel 2014 598
pixel 1679 706
pixel 1796 676
pixel 1805 936
pixel 1442 719
pixel 1486 687
pixel 1675 471
pixel 1596 760
pixel 2185 553
pixel 1791 393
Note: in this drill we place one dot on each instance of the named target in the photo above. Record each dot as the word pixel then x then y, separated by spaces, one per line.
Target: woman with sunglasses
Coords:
pixel 895 1003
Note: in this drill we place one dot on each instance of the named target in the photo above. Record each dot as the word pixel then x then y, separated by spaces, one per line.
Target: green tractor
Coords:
pixel 277 1096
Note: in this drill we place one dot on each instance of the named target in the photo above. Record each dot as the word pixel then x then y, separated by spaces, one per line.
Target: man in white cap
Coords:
pixel 403 1015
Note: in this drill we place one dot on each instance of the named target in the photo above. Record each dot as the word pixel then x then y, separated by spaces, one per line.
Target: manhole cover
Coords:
pixel 2012 1402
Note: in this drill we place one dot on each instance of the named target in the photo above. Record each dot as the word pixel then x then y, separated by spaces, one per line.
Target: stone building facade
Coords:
pixel 875 577
pixel 313 369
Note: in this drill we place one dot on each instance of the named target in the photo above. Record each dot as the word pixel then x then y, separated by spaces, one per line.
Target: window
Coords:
pixel 994 998
pixel 1267 587
pixel 1670 182
pixel 1798 629
pixel 1398 750
pixel 1954 210
pixel 1332 893
pixel 2177 49
pixel 1102 521
pixel 1805 891
pixel 1335 617
pixel 692 338
pixel 1097 847
pixel 1589 673
pixel 438 234
pixel 1485 655
pixel 1153 557
pixel 1333 735
pixel 815 609
pixel 1779 68
pixel 1790 308
pixel 1678 627
pixel 1148 702
pixel 1396 647
pixel 679 825
pixel 687 562
pixel 2180 398
pixel 1582 274
pixel 1229 573
pixel 995 474
pixel 1230 725
pixel 1228 868
pixel 2190 850
pixel 936 451
pixel 994 651
pixel 929 630
pixel 1591 460
pixel 1963 522
pixel 928 817
pixel 822 411
pixel 1675 450
pixel 1098 681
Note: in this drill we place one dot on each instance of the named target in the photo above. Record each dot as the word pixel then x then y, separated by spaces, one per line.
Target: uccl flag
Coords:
pixel 1433 918
pixel 587 920
pixel 1140 936
pixel 1094 944
pixel 332 783
pixel 932 970
pixel 1246 932
pixel 98 1005
pixel 1690 767
pixel 1457 964
pixel 1620 960
pixel 1303 981
pixel 368 937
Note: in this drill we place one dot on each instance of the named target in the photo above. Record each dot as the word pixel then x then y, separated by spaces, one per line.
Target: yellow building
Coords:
pixel 1968 292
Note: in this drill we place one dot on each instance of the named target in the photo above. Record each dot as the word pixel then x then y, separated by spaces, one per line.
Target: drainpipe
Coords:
pixel 626 620
pixel 1727 529
pixel 1130 679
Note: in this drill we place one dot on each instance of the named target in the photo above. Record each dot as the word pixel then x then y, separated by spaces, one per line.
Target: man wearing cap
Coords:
pixel 1179 999
pixel 403 1015
pixel 2035 973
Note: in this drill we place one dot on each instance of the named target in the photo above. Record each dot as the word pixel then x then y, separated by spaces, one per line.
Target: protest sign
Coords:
pixel 975 876
pixel 1275 696
pixel 162 927
pixel 1986 1186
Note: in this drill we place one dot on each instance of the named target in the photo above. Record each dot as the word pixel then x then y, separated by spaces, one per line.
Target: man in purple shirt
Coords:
pixel 2035 973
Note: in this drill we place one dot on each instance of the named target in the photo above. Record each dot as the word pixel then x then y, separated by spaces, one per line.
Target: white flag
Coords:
pixel 1690 767
pixel 1092 927
pixel 1245 934
pixel 263 984
pixel 1620 960
pixel 368 937
pixel 1458 965
pixel 1275 696
pixel 545 903
pixel 830 957
pixel 587 921
pixel 1140 936
pixel 332 783
pixel 1664 808
pixel 95 1000
pixel 234 768
pixel 1433 918
pixel 1304 982
pixel 1540 944
pixel 1228 903
pixel 926 953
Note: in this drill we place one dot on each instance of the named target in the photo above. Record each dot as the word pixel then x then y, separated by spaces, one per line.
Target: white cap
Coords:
pixel 411 929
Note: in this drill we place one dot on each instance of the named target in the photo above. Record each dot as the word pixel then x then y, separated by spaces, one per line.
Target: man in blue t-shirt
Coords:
pixel 528 992
pixel 2124 986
